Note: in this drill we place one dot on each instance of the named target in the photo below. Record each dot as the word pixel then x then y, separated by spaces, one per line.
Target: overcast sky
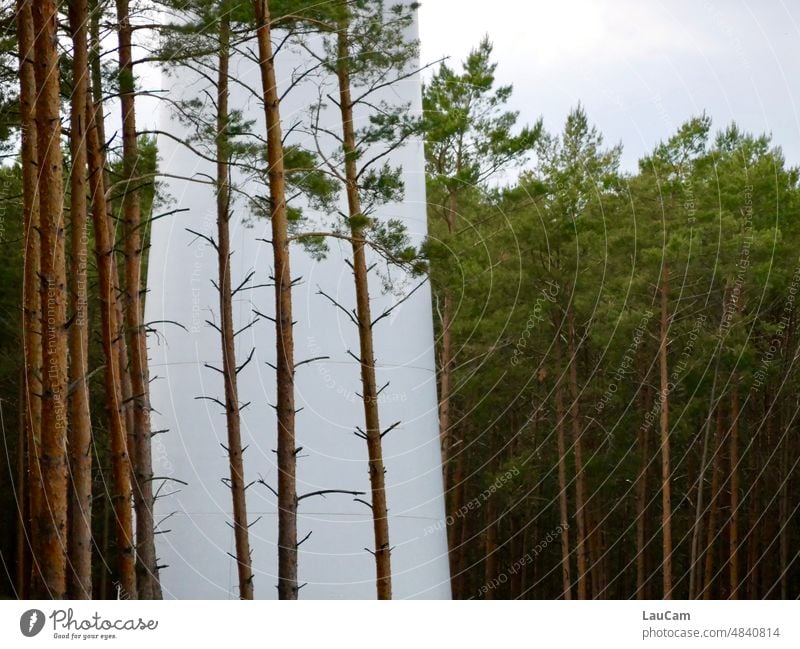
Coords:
pixel 640 67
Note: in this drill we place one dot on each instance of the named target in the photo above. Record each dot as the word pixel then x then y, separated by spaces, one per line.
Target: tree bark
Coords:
pixel 580 484
pixel 711 531
pixel 146 566
pixel 52 527
pixel 233 420
pixel 284 335
pixel 458 530
pixel 666 471
pixel 697 527
pixel 642 575
pixel 120 459
pixel 490 548
pixel 446 354
pixel 563 506
pixel 783 512
pixel 31 317
pixel 377 470
pixel 80 433
pixel 733 529
pixel 97 95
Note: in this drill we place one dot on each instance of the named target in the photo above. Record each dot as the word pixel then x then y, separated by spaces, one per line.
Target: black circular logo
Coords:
pixel 31 622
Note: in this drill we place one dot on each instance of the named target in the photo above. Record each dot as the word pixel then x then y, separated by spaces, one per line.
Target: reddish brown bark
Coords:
pixel 377 471
pixel 284 335
pixel 642 574
pixel 31 332
pixel 120 460
pixel 490 547
pixel 666 471
pixel 733 529
pixel 563 505
pixel 80 433
pixel 146 567
pixel 580 482
pixel 52 527
pixel 713 503
pixel 232 416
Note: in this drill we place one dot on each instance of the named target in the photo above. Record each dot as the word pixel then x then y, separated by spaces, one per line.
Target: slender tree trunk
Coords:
pixel 104 549
pixel 458 530
pixel 97 95
pixel 733 450
pixel 52 528
pixel 120 459
pixel 642 574
pixel 596 560
pixel 377 470
pixel 666 471
pixel 783 514
pixel 452 487
pixel 563 505
pixel 517 545
pixel 31 317
pixel 237 481
pixel 146 567
pixel 446 357
pixel 80 433
pixel 711 531
pixel 490 548
pixel 284 336
pixel 580 483
pixel 752 536
pixel 21 546
pixel 695 584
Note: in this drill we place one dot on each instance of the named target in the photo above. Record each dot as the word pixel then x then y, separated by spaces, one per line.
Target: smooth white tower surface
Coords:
pixel 197 540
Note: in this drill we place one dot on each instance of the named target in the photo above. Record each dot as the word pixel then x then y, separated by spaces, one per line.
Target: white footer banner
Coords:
pixel 406 624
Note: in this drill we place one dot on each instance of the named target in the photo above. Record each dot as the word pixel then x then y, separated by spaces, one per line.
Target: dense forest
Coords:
pixel 616 351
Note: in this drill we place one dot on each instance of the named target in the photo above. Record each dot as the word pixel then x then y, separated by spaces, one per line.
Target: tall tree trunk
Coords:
pixel 233 420
pixel 52 528
pixel 783 512
pixel 146 566
pixel 733 529
pixel 697 527
pixel 458 530
pixel 446 353
pixel 377 470
pixel 752 517
pixel 21 545
pixel 563 505
pixel 284 336
pixel 80 433
pixel 31 317
pixel 95 65
pixel 711 531
pixel 666 471
pixel 490 548
pixel 580 483
pixel 642 575
pixel 120 459
pixel 453 488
